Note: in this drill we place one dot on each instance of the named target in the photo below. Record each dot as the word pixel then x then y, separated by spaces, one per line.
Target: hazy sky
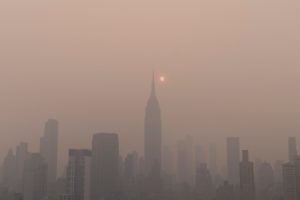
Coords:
pixel 232 69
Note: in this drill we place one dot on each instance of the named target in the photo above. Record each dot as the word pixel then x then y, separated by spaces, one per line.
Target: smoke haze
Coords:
pixel 231 67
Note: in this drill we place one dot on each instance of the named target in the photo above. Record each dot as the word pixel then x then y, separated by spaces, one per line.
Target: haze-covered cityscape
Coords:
pixel 161 172
pixel 149 100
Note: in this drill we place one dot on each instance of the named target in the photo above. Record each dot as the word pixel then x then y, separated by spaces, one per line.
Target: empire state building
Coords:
pixel 152 137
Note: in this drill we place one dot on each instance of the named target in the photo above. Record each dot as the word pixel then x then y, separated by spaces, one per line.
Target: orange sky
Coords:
pixel 232 68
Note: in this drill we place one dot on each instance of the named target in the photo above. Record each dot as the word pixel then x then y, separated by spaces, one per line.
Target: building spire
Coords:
pixel 153 84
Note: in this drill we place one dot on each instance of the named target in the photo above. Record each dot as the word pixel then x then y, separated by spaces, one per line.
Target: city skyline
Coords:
pixel 149 100
pixel 231 68
pixel 206 150
pixel 101 172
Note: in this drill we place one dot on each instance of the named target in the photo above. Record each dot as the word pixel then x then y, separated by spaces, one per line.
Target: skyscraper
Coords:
pixel 48 149
pixel 105 166
pixel 292 148
pixel 278 171
pixel 233 160
pixel 247 183
pixel 264 179
pixel 186 168
pixel 297 165
pixel 21 155
pixel 131 166
pixel 78 174
pixel 213 166
pixel 153 135
pixel 182 162
pixel 130 178
pixel 204 184
pixel 168 161
pixel 35 178
pixel 9 171
pixel 289 181
pixel 225 191
pixel 199 156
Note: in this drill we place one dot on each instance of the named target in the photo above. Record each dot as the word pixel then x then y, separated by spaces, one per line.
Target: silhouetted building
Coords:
pixel 9 171
pixel 199 156
pixel 21 155
pixel 105 166
pixel 184 174
pixel 142 166
pixel 48 149
pixel 297 165
pixel 278 172
pixel 130 177
pixel 289 181
pixel 131 166
pixel 225 192
pixel 247 183
pixel 168 161
pixel 59 188
pixel 264 181
pixel 65 197
pixel 292 148
pixel 204 184
pixel 35 178
pixel 213 167
pixel 121 167
pixel 191 160
pixel 78 174
pixel 153 135
pixel 233 160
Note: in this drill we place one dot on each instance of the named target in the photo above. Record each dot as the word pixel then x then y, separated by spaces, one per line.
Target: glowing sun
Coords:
pixel 162 79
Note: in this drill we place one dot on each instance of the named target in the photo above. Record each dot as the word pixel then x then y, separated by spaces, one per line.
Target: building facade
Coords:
pixel 247 183
pixel 292 144
pixel 35 178
pixel 48 149
pixel 233 160
pixel 289 181
pixel 78 174
pixel 152 133
pixel 105 166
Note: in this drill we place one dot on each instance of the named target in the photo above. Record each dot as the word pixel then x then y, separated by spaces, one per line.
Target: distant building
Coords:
pixel 264 181
pixel 153 143
pixel 213 166
pixel 142 166
pixel 289 181
pixel 183 168
pixel 121 167
pixel 65 197
pixel 186 168
pixel 297 165
pixel 78 174
pixel 278 171
pixel 131 166
pixel 9 171
pixel 225 192
pixel 233 160
pixel 105 166
pixel 292 143
pixel 130 177
pixel 247 183
pixel 168 161
pixel 35 178
pixel 48 149
pixel 199 156
pixel 21 155
pixel 204 184
pixel 152 133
